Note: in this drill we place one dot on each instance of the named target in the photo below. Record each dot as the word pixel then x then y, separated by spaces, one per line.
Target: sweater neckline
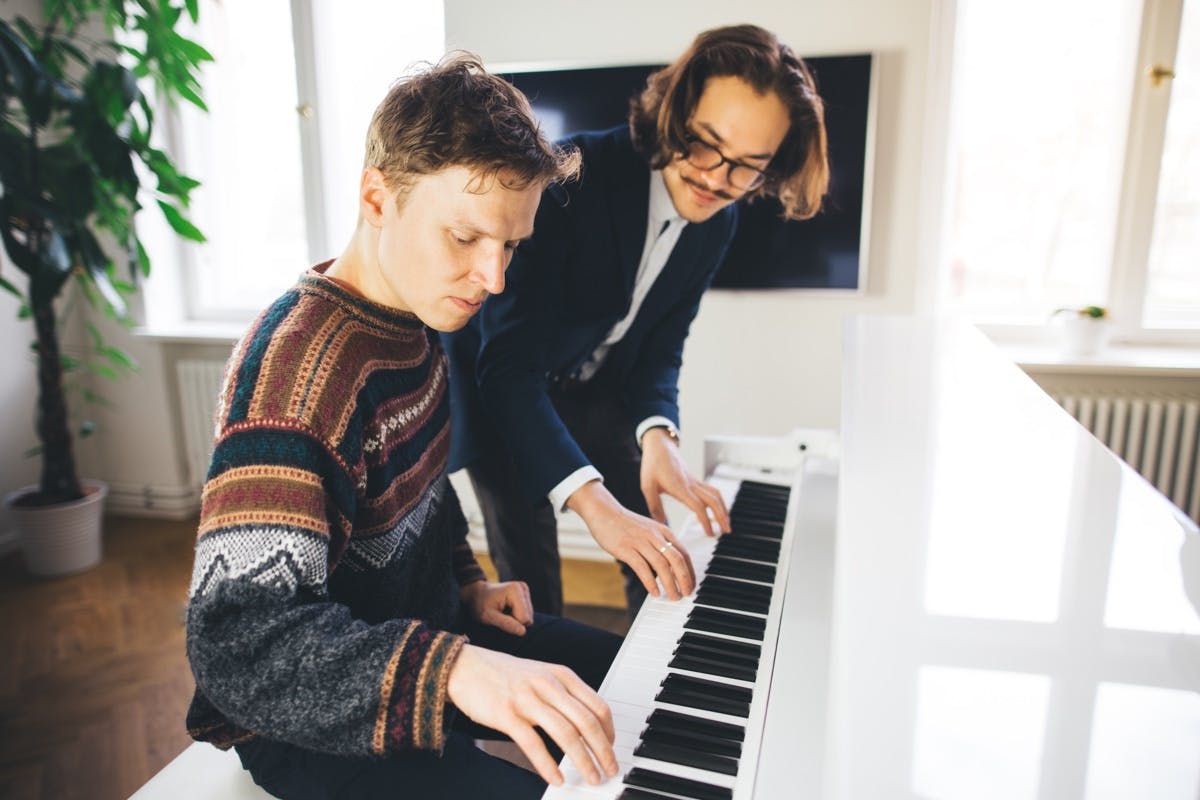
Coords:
pixel 348 298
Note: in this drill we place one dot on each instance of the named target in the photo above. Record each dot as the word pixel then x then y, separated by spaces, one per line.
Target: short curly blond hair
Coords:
pixel 456 113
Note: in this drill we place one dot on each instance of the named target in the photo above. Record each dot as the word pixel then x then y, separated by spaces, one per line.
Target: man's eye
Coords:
pixel 463 240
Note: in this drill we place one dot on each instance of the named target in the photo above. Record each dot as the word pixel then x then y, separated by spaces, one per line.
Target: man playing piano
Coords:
pixel 333 591
pixel 564 387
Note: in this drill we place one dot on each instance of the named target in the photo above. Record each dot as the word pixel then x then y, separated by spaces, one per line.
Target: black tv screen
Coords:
pixel 824 252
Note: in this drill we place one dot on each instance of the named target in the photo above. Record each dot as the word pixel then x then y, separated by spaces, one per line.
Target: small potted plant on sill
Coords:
pixel 1085 329
pixel 73 124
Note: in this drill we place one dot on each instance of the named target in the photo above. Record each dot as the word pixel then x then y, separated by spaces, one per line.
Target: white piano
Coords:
pixel 984 603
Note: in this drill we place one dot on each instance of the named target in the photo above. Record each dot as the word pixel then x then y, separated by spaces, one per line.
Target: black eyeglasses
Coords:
pixel 702 155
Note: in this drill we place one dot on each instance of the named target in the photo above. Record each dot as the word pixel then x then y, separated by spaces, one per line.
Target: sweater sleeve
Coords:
pixel 269 649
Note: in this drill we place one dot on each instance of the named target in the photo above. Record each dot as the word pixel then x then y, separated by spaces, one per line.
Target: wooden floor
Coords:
pixel 94 682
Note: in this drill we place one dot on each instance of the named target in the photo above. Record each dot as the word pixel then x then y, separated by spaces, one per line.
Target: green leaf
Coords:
pixel 191 96
pixel 97 339
pixel 193 51
pixel 193 9
pixel 119 358
pixel 103 370
pixel 143 260
pixel 180 225
pixel 11 289
pixel 86 429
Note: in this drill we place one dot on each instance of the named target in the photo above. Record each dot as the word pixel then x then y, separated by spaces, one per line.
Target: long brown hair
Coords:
pixel 455 113
pixel 658 117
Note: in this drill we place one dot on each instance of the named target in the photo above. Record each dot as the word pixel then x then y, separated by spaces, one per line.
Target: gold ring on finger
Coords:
pixel 664 548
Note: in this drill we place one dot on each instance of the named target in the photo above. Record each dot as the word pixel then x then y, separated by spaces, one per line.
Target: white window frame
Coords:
pixel 171 310
pixel 1161 23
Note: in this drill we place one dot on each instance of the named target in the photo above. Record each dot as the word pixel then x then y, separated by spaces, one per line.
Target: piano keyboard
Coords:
pixel 688 687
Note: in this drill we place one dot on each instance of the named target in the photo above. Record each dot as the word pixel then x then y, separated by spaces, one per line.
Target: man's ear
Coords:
pixel 373 194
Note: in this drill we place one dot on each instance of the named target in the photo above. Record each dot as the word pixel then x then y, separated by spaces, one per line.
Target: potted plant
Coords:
pixel 1085 329
pixel 74 125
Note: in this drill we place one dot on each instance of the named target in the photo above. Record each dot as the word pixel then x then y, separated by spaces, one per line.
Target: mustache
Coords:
pixel 716 192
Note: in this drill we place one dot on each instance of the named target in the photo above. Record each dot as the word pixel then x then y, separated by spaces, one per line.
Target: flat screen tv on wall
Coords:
pixel 825 252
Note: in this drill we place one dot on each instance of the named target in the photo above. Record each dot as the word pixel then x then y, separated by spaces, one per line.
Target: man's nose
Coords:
pixel 489 271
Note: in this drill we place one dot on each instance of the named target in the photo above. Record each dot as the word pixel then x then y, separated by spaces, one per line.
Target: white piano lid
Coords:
pixel 1014 609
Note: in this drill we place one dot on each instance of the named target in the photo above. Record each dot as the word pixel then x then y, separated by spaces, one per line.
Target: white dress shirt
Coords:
pixel 663 227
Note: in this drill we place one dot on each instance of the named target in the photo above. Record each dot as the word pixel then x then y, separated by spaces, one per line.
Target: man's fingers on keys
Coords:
pixel 716 501
pixel 683 557
pixel 526 738
pixel 593 731
pixel 589 698
pixel 698 504
pixel 656 551
pixel 642 568
pixel 550 718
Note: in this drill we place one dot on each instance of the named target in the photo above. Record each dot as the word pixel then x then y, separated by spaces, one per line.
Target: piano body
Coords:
pixel 967 596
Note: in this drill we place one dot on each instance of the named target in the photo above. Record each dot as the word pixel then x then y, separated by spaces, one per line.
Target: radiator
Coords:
pixel 199 387
pixel 1156 434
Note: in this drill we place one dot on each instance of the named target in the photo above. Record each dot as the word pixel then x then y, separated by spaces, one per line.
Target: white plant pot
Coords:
pixel 60 539
pixel 1084 336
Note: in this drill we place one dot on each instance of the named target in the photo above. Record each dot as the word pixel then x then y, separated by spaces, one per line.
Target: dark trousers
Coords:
pixel 523 538
pixel 462 770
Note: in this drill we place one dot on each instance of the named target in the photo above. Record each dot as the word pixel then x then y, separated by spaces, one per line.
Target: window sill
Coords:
pixel 1116 359
pixel 225 333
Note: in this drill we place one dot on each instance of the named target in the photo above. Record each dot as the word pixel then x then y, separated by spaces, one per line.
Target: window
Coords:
pixel 1072 177
pixel 279 154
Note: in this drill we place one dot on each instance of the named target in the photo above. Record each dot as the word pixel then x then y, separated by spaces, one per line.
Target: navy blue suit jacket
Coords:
pixel 565 290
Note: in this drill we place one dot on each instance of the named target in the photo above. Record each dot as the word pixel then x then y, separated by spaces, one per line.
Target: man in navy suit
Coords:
pixel 564 387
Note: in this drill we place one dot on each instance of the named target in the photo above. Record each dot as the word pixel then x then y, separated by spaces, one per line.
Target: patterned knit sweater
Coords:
pixel 331 544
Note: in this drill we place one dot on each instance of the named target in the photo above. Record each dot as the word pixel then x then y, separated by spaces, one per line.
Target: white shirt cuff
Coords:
pixel 653 422
pixel 567 486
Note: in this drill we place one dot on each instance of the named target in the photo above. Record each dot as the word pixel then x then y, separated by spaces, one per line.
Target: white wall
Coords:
pixel 756 362
pixel 18 390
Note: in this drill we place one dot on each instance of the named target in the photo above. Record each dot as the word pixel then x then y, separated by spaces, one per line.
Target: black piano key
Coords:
pixel 735 600
pixel 715 626
pixel 713 688
pixel 684 690
pixel 711 666
pixel 755 523
pixel 716 656
pixel 649 779
pixel 760 489
pixel 745 621
pixel 666 719
pixel 735 586
pixel 749 548
pixel 749 651
pixel 697 741
pixel 734 568
pixel 687 757
pixel 742 526
pixel 735 603
pixel 702 701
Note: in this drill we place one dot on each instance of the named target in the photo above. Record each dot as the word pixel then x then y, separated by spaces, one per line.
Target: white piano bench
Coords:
pixel 202 772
